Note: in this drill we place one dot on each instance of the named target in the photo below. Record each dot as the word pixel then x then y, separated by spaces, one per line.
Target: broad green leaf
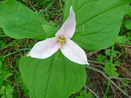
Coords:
pixel 54 77
pixel 18 21
pixel 98 20
pixel 129 11
pixel 49 30
pixel 1 32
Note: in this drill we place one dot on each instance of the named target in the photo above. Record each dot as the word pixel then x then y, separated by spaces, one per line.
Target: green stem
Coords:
pixel 15 52
pixel 60 4
pixel 108 85
pixel 111 62
pixel 18 90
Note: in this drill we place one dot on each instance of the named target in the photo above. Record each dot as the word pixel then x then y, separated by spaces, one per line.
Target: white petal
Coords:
pixel 68 28
pixel 44 49
pixel 73 52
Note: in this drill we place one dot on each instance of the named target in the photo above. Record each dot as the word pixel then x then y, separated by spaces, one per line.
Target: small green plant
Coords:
pixel 110 68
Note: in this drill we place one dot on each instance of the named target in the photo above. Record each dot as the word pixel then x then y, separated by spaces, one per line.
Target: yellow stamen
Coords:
pixel 61 44
pixel 61 40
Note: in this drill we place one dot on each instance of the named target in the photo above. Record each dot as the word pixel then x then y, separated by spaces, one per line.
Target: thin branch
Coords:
pixel 115 77
pixel 91 53
pixel 113 90
pixel 85 87
pixel 120 78
pixel 100 88
pixel 10 64
pixel 109 80
pixel 93 92
pixel 32 5
pixel 122 81
pixel 117 57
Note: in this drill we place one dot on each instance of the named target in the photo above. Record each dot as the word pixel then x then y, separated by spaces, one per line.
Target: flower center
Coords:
pixel 61 40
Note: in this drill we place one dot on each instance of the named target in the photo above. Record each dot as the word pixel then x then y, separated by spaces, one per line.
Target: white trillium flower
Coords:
pixel 62 41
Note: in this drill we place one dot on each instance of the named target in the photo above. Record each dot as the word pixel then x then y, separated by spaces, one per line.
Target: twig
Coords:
pixel 101 62
pixel 117 57
pixel 122 81
pixel 115 77
pixel 91 53
pixel 120 78
pixel 100 87
pixel 90 61
pixel 85 87
pixel 124 45
pixel 10 64
pixel 113 91
pixel 93 92
pixel 109 80
pixel 32 5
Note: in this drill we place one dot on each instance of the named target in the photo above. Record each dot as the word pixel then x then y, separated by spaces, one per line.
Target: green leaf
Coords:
pixel 100 58
pixel 18 21
pixel 128 24
pixel 129 11
pixel 6 91
pixel 54 77
pixel 4 74
pixel 108 52
pixel 89 95
pixel 49 30
pixel 98 20
pixel 2 90
pixel 82 94
pixel 121 39
pixel 111 70
pixel 23 87
pixel 117 63
pixel 1 32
